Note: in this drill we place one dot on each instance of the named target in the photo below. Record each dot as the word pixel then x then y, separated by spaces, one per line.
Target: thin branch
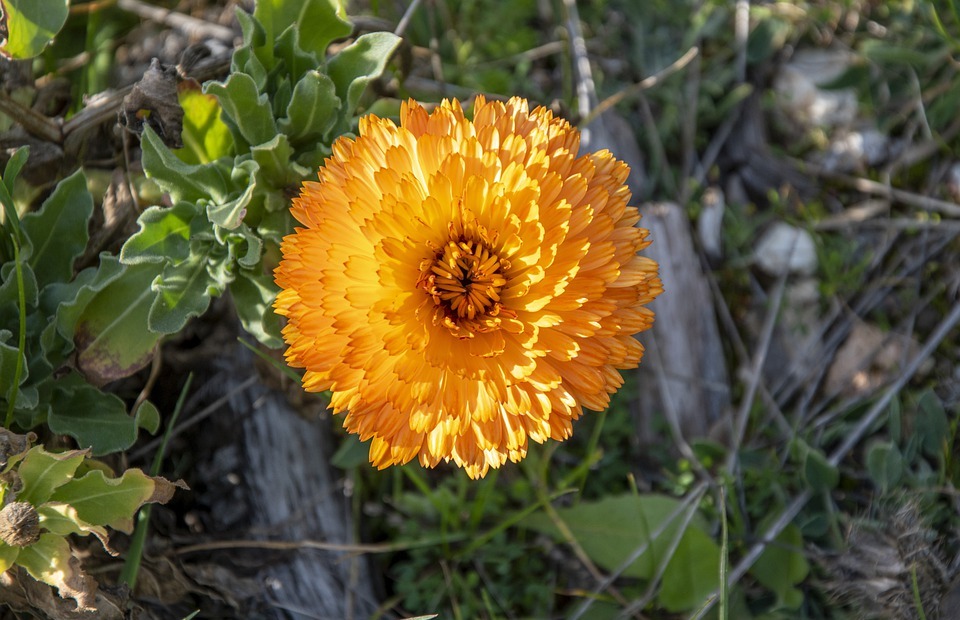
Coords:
pixel 874 188
pixel 851 440
pixel 644 84
pixel 191 26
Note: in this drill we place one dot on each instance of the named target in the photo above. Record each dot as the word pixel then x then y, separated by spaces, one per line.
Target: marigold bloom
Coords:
pixel 463 287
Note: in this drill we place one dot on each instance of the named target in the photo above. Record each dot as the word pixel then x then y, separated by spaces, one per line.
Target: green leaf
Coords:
pixel 205 137
pixel 818 473
pixel 58 231
pixel 10 294
pixel 111 334
pixel 782 566
pixel 184 291
pixel 319 21
pixel 8 370
pixel 96 420
pixel 164 235
pixel 62 519
pixel 351 453
pixel 276 164
pixel 50 560
pixel 14 165
pixel 112 502
pixel 42 472
pixel 253 295
pixel 884 53
pixel 8 555
pixel 885 465
pixel 359 64
pixel 248 109
pixel 68 301
pixel 611 529
pixel 182 181
pixel 312 110
pixel 243 248
pixel 931 425
pixel 295 60
pixel 230 213
pixel 692 574
pixel 31 25
pixel 250 57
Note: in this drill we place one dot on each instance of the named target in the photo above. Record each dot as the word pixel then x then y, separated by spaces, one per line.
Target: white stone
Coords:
pixel 798 83
pixel 784 249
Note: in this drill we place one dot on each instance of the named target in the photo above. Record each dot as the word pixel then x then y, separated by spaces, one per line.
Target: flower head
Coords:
pixel 463 287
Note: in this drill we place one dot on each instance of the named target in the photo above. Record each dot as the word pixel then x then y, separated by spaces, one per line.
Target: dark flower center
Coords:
pixel 464 280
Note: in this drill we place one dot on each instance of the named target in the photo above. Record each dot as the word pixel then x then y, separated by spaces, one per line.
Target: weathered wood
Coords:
pixel 267 476
pixel 683 375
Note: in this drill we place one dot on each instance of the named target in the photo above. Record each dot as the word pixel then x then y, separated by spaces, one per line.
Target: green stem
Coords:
pixel 22 342
pixel 131 566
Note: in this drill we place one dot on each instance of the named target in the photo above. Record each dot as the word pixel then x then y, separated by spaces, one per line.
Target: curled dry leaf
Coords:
pixel 12 444
pixel 154 102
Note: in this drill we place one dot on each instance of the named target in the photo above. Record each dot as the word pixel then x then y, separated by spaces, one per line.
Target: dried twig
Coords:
pixel 850 441
pixel 194 28
pixel 868 186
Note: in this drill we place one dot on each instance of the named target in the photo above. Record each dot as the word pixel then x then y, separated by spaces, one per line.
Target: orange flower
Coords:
pixel 462 287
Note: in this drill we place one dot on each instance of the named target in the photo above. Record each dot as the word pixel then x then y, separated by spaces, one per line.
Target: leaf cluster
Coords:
pixel 282 106
pixel 48 496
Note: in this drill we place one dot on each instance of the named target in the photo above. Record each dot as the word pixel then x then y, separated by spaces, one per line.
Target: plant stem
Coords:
pixel 131 567
pixel 22 339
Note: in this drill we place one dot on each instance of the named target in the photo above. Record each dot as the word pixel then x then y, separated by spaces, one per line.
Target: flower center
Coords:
pixel 464 279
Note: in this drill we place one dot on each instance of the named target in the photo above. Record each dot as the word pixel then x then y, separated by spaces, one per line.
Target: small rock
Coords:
pixel 856 150
pixel 798 89
pixel 784 249
pixel 710 223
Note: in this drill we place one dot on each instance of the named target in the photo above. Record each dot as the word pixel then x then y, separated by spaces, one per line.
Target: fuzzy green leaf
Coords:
pixel 10 294
pixel 612 528
pixel 243 248
pixel 249 57
pixel 111 335
pixel 58 231
pixel 692 574
pixel 359 64
pixel 62 519
pixel 313 109
pixel 319 22
pixel 184 291
pixel 112 502
pixel 253 295
pixel 182 181
pixel 8 555
pixel 782 566
pixel 931 427
pixel 205 137
pixel 14 165
pixel 31 25
pixel 248 109
pixel 818 473
pixel 67 301
pixel 42 472
pixel 96 420
pixel 164 235
pixel 9 354
pixel 885 464
pixel 277 167
pixel 230 213
pixel 50 560
pixel 295 60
